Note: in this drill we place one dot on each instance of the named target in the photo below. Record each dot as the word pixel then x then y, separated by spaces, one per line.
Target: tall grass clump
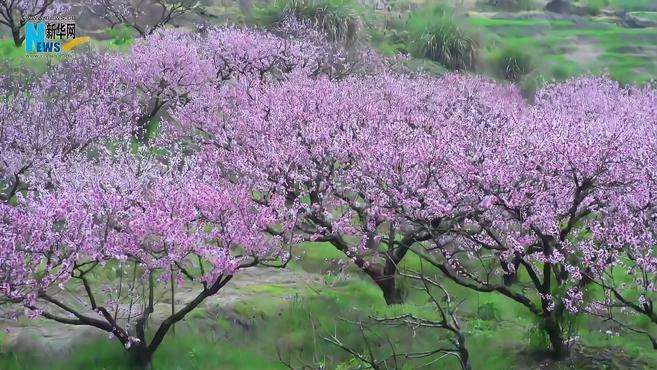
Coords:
pixel 436 33
pixel 511 63
pixel 340 20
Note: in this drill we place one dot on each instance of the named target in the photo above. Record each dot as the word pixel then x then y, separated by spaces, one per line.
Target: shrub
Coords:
pixel 340 20
pixel 437 34
pixel 511 63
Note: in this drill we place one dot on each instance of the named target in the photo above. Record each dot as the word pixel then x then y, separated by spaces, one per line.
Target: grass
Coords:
pixel 185 350
pixel 501 334
pixel 563 48
pixel 633 5
pixel 280 324
pixel 627 55
pixel 120 35
pixel 318 257
pixel 499 329
pixel 15 57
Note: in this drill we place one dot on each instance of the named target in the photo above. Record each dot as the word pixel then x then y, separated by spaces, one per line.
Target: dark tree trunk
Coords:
pixel 558 349
pixel 388 287
pixel 509 276
pixel 389 279
pixel 16 34
pixel 142 357
pixel 386 278
pixel 141 129
pixel 464 355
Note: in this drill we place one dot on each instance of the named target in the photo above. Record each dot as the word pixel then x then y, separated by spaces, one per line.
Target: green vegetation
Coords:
pixel 340 20
pixel 591 7
pixel 511 63
pixel 633 5
pixel 568 48
pixel 557 48
pixel 435 33
pixel 121 35
pixel 14 57
pixel 290 324
pixel 185 350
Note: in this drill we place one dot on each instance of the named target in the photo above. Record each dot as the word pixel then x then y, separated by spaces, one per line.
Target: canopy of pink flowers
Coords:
pixel 256 134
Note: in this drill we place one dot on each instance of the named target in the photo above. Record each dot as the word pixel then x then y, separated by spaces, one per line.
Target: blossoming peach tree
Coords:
pixel 113 234
pixel 66 115
pixel 94 226
pixel 626 270
pixel 94 230
pixel 538 193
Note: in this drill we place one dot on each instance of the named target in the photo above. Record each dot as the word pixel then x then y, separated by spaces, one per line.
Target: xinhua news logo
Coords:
pixel 51 36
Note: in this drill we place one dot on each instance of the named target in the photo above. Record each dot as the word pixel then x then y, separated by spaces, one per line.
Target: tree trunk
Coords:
pixel 388 287
pixel 16 34
pixel 510 277
pixel 464 355
pixel 385 277
pixel 388 280
pixel 142 357
pixel 558 348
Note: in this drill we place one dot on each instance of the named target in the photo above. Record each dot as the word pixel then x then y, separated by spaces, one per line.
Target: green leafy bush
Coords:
pixel 511 63
pixel 437 34
pixel 340 20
